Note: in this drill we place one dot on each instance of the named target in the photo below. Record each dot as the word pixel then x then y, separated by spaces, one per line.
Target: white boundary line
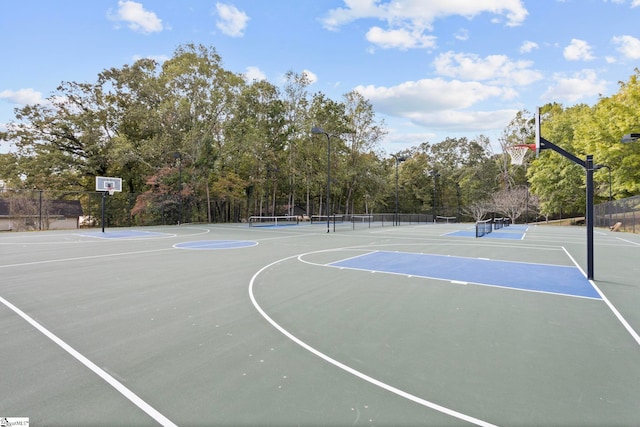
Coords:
pixel 205 245
pixel 133 398
pixel 145 235
pixel 51 261
pixel 628 241
pixel 615 311
pixel 86 239
pixel 349 369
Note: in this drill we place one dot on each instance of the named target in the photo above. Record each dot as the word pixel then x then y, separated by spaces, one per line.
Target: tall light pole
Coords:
pixel 178 158
pixel 318 130
pixel 398 160
pixel 628 138
pixel 435 175
pixel 597 167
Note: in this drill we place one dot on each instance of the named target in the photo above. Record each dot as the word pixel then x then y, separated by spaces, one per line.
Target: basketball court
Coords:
pixel 232 325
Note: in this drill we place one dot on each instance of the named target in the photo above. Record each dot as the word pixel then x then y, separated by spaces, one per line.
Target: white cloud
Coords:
pixel 407 20
pixel 628 46
pixel 137 18
pixel 22 96
pixel 441 104
pixel 232 21
pixel 399 38
pixel 254 74
pixel 580 85
pixel 158 58
pixel 528 46
pixel 462 34
pixel 429 95
pixel 464 121
pixel 422 13
pixel 312 77
pixel 578 50
pixel 412 139
pixel 493 68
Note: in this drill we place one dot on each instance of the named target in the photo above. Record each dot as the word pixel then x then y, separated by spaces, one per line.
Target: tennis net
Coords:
pixel 483 227
pixel 445 219
pixel 273 221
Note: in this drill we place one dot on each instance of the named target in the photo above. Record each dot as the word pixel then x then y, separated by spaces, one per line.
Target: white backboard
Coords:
pixel 107 183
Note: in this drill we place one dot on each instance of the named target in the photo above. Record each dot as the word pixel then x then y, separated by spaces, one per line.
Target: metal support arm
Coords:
pixel 544 144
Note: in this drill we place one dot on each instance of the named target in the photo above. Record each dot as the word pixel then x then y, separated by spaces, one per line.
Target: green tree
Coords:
pixel 360 146
pixel 296 104
pixel 599 132
pixel 558 182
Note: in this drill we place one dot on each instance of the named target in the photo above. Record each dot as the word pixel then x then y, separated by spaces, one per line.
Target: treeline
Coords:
pixel 190 136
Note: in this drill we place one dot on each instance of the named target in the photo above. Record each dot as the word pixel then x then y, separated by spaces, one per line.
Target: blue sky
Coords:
pixel 431 68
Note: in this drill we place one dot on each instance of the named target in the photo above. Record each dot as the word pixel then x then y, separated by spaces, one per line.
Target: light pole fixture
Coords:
pixel 178 158
pixel 630 137
pixel 398 160
pixel 318 130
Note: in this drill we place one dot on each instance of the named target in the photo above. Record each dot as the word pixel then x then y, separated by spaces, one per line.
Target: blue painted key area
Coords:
pixel 516 275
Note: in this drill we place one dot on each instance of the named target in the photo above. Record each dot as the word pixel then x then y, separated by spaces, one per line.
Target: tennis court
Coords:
pixel 232 325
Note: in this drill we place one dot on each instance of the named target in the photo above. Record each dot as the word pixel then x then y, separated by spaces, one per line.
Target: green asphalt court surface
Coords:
pixel 231 325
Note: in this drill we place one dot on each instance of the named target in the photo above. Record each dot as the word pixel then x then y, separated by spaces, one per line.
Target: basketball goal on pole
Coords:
pixel 107 185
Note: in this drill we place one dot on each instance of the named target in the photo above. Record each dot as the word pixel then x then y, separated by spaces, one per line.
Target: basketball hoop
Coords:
pixel 518 152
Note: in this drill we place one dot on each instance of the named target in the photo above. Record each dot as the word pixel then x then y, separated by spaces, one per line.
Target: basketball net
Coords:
pixel 518 153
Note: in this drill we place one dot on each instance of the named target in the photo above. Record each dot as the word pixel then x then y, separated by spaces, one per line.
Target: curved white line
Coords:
pixel 349 369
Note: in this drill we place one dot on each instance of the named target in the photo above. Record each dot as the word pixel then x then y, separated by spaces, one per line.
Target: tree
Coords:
pixel 558 182
pixel 201 101
pixel 520 130
pixel 513 202
pixel 296 105
pixel 256 138
pixel 479 209
pixel 361 144
pixel 330 116
pixel 599 132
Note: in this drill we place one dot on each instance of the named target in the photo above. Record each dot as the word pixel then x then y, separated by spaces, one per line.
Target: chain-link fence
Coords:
pixel 24 210
pixel 624 211
pixel 28 210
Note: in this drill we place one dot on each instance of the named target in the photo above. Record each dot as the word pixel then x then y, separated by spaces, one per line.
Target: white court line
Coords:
pixel 93 367
pixel 349 369
pixel 92 239
pixel 615 311
pixel 50 261
pixel 628 241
